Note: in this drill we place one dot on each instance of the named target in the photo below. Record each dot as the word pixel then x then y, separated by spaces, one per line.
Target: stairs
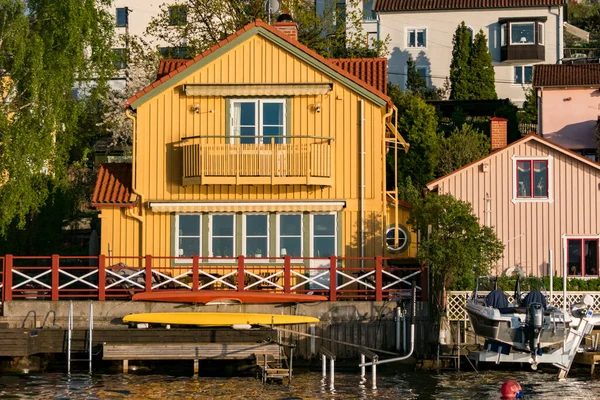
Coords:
pixel 273 367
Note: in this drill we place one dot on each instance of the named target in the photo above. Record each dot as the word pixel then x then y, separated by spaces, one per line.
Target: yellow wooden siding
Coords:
pixel 403 215
pixel 120 235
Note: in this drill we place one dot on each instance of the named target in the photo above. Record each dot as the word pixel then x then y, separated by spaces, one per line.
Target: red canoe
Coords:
pixel 213 296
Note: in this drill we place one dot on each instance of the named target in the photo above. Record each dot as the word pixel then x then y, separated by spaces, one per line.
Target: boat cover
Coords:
pixel 497 299
pixel 535 296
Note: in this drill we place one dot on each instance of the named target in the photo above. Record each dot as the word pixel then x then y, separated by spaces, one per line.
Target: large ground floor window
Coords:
pixel 582 256
pixel 256 235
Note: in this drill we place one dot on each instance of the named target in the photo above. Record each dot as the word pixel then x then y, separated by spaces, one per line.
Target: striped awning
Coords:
pixel 270 89
pixel 254 206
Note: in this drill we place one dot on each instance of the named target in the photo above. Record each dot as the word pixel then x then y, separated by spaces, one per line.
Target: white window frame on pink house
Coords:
pixel 581 238
pixel 514 180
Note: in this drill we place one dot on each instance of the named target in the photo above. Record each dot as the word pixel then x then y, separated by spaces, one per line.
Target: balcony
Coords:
pixel 302 160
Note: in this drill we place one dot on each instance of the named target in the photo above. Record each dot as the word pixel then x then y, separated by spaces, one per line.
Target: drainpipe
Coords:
pixel 362 183
pixel 140 216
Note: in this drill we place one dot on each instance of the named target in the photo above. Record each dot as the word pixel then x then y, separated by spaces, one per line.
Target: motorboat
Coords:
pixel 528 324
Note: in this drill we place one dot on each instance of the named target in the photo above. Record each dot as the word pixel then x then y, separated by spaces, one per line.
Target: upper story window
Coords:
pixel 523 74
pixel 121 16
pixel 522 33
pixel 177 15
pixel 582 256
pixel 120 58
pixel 369 14
pixel 174 52
pixel 416 37
pixel 532 179
pixel 258 121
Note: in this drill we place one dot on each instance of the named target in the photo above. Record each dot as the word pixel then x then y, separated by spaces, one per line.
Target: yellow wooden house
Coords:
pixel 257 147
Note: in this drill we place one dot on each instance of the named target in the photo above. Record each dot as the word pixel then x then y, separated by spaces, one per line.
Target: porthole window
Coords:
pixel 403 239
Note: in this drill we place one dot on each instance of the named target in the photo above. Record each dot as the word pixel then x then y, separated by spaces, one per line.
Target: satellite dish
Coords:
pixel 273 6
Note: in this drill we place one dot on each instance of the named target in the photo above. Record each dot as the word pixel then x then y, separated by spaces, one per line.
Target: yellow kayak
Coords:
pixel 217 319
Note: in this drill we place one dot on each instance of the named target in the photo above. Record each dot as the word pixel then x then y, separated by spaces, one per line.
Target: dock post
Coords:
pixel 125 366
pixel 324 364
pixel 397 321
pixel 331 370
pixel 458 344
pixel 196 369
pixel 291 362
pixel 313 346
pixel 362 367
pixel 374 374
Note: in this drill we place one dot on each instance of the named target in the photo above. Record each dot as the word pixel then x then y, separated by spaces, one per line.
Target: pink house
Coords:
pixel 569 105
pixel 538 196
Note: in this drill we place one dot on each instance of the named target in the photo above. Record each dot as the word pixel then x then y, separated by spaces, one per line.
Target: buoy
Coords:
pixel 511 390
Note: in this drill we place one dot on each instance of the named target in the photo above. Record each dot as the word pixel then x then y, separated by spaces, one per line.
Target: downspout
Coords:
pixel 140 216
pixel 559 33
pixel 362 183
pixel 540 99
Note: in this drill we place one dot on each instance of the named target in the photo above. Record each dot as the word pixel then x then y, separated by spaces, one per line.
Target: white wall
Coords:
pixel 441 26
pixel 142 11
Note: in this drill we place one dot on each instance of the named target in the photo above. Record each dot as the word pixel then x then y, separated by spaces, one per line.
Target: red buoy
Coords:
pixel 511 390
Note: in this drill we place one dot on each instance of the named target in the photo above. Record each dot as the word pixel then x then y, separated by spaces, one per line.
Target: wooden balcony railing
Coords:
pixel 301 160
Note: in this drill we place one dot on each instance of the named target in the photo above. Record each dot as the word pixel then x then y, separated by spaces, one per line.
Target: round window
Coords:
pixel 397 239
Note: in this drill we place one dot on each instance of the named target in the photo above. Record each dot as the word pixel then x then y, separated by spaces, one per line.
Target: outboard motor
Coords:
pixel 534 323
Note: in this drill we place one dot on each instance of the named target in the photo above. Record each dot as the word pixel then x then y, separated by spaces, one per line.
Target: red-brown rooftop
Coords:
pixel 417 5
pixel 562 75
pixel 113 186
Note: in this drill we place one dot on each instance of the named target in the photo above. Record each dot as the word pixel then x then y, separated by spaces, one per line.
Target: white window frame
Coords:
pixel 210 235
pixel 513 180
pixel 522 67
pixel 540 26
pixel 415 29
pixel 404 246
pixel 504 34
pixel 312 231
pixel 245 236
pixel 177 236
pixel 278 235
pixel 519 43
pixel 258 118
pixel 470 28
pixel 566 239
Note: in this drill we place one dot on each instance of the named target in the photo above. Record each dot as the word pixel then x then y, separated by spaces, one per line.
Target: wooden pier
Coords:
pixel 590 358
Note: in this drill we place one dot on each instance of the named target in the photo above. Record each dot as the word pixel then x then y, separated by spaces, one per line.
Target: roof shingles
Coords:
pixel 113 186
pixel 424 5
pixel 562 75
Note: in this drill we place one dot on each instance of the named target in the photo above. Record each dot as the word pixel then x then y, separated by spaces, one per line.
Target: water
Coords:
pixel 306 385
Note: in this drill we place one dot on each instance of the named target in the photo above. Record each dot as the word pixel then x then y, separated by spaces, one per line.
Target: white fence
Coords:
pixel 456 301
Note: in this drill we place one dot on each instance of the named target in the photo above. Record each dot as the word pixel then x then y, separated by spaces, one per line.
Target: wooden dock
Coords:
pixel 590 358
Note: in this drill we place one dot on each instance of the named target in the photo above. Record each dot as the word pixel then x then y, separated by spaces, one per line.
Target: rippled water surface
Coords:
pixel 306 385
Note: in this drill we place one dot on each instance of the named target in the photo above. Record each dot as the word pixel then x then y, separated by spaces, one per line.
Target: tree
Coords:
pixel 453 244
pixel 417 123
pixel 417 84
pixel 334 32
pixel 46 48
pixel 530 111
pixel 482 70
pixel 460 74
pixel 463 146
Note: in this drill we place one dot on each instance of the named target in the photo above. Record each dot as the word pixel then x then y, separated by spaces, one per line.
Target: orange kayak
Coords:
pixel 225 296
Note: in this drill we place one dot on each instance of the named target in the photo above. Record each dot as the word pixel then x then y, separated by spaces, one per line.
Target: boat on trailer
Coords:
pixel 528 328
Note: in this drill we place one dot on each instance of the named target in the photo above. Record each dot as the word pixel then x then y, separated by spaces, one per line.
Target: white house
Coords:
pixel 521 33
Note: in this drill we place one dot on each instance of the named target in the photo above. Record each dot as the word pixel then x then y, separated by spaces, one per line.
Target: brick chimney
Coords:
pixel 498 133
pixel 286 25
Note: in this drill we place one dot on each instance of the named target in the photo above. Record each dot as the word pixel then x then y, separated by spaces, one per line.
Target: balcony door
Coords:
pixel 257 121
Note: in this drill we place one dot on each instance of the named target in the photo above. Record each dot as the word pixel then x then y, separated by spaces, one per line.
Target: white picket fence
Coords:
pixel 456 301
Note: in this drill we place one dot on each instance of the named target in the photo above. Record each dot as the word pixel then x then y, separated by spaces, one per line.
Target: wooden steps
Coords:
pixel 272 366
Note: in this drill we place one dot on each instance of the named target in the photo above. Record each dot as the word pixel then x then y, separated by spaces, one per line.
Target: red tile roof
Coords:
pixel 560 75
pixel 113 186
pixel 373 71
pixel 257 24
pixel 418 5
pixel 168 65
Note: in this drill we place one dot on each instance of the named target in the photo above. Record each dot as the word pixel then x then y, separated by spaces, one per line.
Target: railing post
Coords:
pixel 148 274
pixel 195 277
pixel 241 274
pixel 55 276
pixel 378 278
pixel 332 278
pixel 101 277
pixel 8 278
pixel 287 274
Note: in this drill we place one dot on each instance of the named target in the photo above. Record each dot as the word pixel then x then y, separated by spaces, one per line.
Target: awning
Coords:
pixel 253 206
pixel 268 89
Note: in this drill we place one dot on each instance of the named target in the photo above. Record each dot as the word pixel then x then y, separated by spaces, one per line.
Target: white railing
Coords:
pixel 457 300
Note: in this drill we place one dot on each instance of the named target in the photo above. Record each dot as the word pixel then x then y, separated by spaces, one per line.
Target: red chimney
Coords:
pixel 498 133
pixel 286 25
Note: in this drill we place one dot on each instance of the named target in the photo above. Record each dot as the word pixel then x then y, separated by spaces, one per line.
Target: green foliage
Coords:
pixel 507 283
pixel 464 145
pixel 530 111
pixel 46 47
pixel 482 71
pixel 453 244
pixel 334 32
pixel 585 15
pixel 414 81
pixel 460 73
pixel 417 123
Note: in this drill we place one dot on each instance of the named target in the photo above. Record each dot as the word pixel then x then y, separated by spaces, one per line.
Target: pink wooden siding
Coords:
pixel 530 229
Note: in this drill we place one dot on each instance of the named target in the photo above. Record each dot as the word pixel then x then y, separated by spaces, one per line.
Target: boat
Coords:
pixel 528 324
pixel 210 319
pixel 226 296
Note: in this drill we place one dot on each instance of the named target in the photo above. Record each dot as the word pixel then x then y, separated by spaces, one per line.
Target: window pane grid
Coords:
pixel 416 37
pixel 188 235
pixel 222 235
pixel 290 235
pixel 532 179
pixel 582 257
pixel 257 235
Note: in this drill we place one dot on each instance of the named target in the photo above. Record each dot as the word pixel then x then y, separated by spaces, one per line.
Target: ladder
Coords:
pixel 70 337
